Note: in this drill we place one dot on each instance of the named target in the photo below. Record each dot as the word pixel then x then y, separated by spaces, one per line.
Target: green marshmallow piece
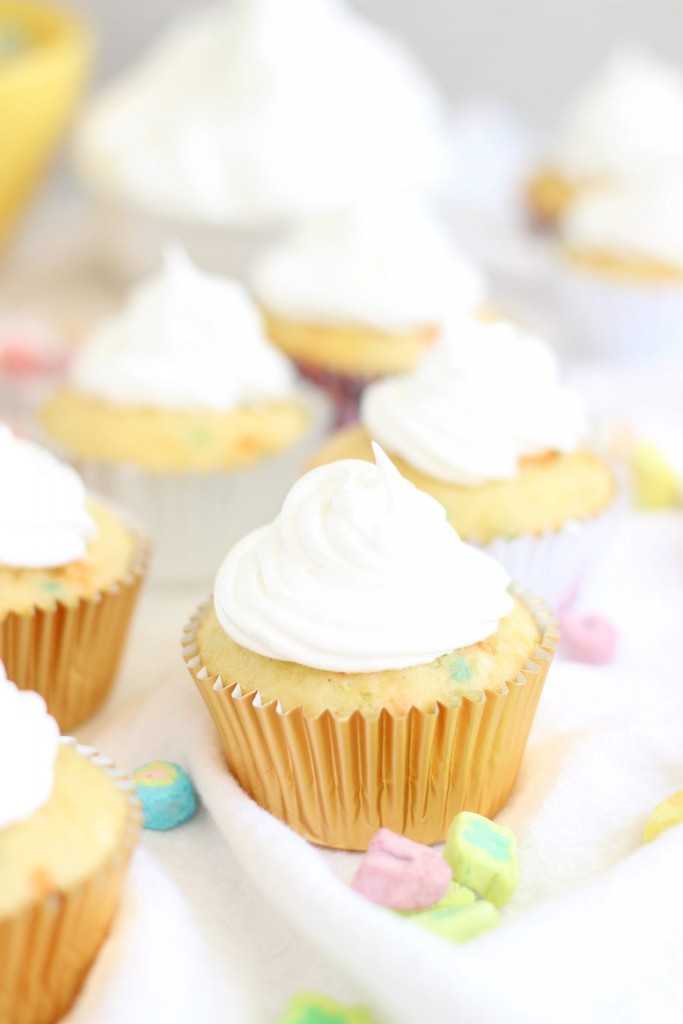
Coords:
pixel 483 856
pixel 311 1008
pixel 456 895
pixel 458 924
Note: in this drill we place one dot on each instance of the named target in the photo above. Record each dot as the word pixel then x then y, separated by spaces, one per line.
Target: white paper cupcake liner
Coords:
pixel 619 320
pixel 553 564
pixel 194 519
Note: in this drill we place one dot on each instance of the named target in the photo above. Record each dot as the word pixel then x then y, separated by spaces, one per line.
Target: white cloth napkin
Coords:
pixel 594 932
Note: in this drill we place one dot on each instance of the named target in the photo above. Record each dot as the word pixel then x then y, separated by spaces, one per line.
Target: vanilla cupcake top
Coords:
pixel 264 110
pixel 636 220
pixel 184 340
pixel 484 397
pixel 386 264
pixel 29 740
pixel 44 521
pixel 628 123
pixel 360 572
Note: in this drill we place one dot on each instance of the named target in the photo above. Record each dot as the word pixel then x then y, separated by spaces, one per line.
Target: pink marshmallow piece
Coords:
pixel 399 873
pixel 588 638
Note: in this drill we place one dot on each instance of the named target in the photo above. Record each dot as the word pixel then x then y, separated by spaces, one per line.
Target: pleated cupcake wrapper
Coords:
pixel 554 563
pixel 344 390
pixel 621 321
pixel 337 780
pixel 47 949
pixel 194 519
pixel 70 653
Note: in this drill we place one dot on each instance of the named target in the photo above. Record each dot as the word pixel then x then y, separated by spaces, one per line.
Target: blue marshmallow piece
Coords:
pixel 167 795
pixel 483 857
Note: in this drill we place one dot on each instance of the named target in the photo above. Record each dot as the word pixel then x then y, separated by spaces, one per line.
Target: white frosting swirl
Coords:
pixel 29 740
pixel 633 220
pixel 485 396
pixel 185 340
pixel 44 521
pixel 262 111
pixel 386 264
pixel 628 123
pixel 360 572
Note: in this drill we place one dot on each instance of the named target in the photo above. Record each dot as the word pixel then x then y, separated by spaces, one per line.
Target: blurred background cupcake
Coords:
pixel 484 425
pixel 626 124
pixel 70 571
pixel 360 293
pixel 250 115
pixel 68 824
pixel 620 270
pixel 180 408
pixel 357 623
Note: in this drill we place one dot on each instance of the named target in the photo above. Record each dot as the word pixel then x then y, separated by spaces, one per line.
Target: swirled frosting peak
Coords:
pixel 360 572
pixel 44 521
pixel 627 123
pixel 385 264
pixel 487 395
pixel 184 340
pixel 29 740
pixel 263 111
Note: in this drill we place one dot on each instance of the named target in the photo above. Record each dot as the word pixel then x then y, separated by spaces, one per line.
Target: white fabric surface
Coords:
pixel 232 913
pixel 593 933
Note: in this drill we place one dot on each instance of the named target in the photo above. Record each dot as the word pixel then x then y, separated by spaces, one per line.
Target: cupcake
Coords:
pixel 628 124
pixel 70 571
pixel 179 408
pixel 620 270
pixel 364 667
pixel 361 293
pixel 484 426
pixel 68 825
pixel 244 117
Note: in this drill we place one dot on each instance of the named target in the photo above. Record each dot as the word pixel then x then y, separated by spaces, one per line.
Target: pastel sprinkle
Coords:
pixel 591 639
pixel 167 795
pixel 459 669
pixel 483 856
pixel 665 815
pixel 52 586
pixel 311 1008
pixel 401 874
pixel 458 924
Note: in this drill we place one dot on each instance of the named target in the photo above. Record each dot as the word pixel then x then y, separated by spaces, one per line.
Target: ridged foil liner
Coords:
pixel 337 780
pixel 195 518
pixel 70 653
pixel 47 948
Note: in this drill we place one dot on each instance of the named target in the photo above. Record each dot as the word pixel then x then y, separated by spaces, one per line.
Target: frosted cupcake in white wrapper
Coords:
pixel 362 292
pixel 180 408
pixel 485 426
pixel 620 269
pixel 364 666
pixel 245 117
pixel 68 825
pixel 627 125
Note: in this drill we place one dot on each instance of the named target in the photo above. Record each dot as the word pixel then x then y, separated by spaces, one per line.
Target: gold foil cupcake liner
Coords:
pixel 337 780
pixel 70 653
pixel 47 949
